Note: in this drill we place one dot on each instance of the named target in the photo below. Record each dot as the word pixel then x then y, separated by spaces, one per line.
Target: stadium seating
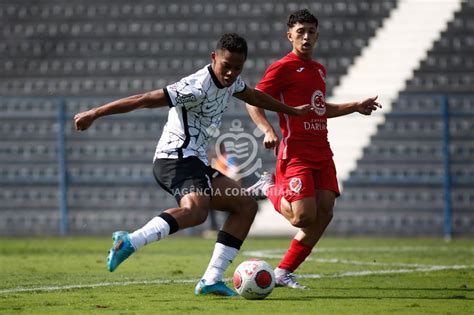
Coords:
pixel 399 179
pixel 90 42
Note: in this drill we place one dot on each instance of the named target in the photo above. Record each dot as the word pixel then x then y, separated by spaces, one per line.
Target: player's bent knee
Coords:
pixel 302 220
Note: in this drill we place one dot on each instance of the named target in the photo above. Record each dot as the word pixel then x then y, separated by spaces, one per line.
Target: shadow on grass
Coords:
pixel 352 297
pixel 404 289
pixel 397 294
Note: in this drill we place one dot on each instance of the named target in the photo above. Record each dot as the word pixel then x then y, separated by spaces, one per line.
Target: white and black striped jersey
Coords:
pixel 196 106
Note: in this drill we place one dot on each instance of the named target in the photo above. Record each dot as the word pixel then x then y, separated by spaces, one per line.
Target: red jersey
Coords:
pixel 295 82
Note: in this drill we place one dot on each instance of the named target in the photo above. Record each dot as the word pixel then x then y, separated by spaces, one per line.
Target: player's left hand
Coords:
pixel 367 106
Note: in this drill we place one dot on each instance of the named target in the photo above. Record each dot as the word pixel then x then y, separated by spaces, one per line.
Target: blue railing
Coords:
pixel 448 217
pixel 62 169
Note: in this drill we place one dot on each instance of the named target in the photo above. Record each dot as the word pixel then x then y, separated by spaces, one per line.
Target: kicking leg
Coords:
pixel 228 197
pixel 193 211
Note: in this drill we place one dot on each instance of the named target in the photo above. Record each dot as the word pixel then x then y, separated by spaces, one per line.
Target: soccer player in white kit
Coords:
pixel 180 166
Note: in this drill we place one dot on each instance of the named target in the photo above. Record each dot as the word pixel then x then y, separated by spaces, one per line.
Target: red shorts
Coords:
pixel 297 179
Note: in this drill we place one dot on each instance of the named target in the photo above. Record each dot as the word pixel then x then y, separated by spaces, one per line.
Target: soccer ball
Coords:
pixel 254 279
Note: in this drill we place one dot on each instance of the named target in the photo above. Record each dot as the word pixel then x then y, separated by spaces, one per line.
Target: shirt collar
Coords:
pixel 214 78
pixel 294 56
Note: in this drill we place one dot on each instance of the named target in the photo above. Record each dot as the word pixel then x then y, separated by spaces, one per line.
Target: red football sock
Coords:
pixel 274 197
pixel 295 255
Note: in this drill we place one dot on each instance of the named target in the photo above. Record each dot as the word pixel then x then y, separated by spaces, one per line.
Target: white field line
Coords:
pixel 94 285
pixel 394 249
pixel 274 254
pixel 271 254
pixel 186 281
pixel 383 249
pixel 383 272
pixel 412 267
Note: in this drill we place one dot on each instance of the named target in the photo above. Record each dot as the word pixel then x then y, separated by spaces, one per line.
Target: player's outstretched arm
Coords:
pixel 365 107
pixel 151 99
pixel 265 101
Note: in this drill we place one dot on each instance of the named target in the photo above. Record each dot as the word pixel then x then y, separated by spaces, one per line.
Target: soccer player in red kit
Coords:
pixel 305 186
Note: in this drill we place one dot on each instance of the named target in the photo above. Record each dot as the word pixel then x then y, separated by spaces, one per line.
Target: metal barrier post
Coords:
pixel 447 171
pixel 62 169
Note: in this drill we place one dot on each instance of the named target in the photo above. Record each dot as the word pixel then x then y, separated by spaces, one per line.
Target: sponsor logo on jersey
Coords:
pixel 296 184
pixel 315 125
pixel 318 102
pixel 300 69
pixel 185 98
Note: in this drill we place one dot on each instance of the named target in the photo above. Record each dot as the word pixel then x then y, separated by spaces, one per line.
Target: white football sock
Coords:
pixel 280 272
pixel 155 230
pixel 222 257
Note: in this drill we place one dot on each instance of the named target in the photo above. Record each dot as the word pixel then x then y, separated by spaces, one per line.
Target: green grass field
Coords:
pixel 346 276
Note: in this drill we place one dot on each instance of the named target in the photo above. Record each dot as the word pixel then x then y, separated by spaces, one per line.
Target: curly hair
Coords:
pixel 301 16
pixel 233 43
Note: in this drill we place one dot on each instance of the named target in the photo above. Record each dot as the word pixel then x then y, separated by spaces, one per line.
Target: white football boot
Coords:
pixel 259 190
pixel 284 278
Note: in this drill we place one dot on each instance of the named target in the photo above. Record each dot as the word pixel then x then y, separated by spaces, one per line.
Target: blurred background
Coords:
pixel 408 170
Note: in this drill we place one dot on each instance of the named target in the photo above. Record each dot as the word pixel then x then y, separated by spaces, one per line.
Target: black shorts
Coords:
pixel 182 176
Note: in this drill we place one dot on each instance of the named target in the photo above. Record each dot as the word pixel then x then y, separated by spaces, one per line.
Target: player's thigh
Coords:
pixel 305 207
pixel 296 183
pixel 325 200
pixel 325 179
pixel 181 177
pixel 228 195
pixel 195 201
pixel 298 192
pixel 326 186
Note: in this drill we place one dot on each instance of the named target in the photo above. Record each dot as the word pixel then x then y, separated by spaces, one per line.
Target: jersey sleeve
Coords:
pixel 183 93
pixel 273 81
pixel 240 85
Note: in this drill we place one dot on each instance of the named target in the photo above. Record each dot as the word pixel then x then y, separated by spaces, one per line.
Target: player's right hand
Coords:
pixel 84 120
pixel 271 140
pixel 302 109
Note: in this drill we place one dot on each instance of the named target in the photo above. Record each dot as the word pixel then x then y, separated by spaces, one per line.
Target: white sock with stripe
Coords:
pixel 155 230
pixel 222 257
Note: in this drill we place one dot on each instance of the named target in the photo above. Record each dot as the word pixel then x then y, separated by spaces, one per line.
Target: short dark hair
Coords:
pixel 301 16
pixel 233 43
